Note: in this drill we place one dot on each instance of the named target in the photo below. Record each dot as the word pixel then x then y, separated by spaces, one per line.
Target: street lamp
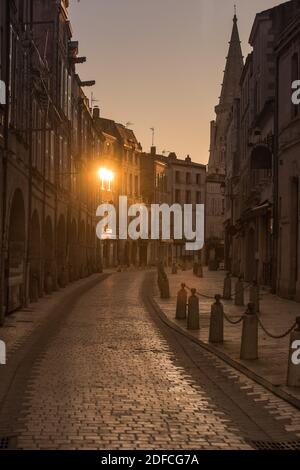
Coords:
pixel 106 176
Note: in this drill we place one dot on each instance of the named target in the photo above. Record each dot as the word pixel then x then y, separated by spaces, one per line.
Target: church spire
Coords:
pixel 234 66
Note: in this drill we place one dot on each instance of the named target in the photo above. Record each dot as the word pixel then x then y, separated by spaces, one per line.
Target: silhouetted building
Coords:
pixel 215 182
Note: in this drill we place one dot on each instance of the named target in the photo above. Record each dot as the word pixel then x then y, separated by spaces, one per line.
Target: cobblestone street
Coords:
pixel 111 375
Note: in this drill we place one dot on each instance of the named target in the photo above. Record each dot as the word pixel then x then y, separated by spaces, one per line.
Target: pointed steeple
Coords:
pixel 230 91
pixel 234 67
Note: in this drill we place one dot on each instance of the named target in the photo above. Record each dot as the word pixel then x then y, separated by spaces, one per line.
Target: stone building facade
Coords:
pixel 53 148
pixel 121 154
pixel 50 152
pixel 261 177
pixel 187 180
pixel 215 183
pixel 288 160
pixel 155 190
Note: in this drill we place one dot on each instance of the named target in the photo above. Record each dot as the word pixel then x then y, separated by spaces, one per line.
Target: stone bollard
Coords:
pixel 239 293
pixel 200 271
pixel 34 289
pixel 249 344
pixel 48 284
pixel 293 375
pixel 227 287
pixel 195 269
pixel 193 320
pixel 181 303
pixel 174 268
pixel 216 328
pixel 254 295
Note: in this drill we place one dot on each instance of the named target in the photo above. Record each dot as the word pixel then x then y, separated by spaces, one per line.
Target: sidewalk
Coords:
pixel 22 328
pixel 276 314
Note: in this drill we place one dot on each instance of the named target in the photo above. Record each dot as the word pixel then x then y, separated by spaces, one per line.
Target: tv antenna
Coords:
pixel 93 100
pixel 152 129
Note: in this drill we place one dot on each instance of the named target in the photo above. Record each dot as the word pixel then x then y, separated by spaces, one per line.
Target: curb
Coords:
pixel 224 357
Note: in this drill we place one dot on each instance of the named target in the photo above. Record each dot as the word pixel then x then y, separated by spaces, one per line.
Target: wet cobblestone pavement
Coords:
pixel 111 375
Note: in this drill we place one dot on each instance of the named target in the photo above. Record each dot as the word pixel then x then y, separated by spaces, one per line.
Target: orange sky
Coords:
pixel 160 63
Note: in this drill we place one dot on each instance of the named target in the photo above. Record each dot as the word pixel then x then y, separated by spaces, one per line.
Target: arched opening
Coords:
pixel 61 252
pixel 35 258
pixel 15 277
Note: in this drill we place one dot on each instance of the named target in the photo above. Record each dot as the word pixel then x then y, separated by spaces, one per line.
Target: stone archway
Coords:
pixel 61 251
pixel 35 258
pixel 15 276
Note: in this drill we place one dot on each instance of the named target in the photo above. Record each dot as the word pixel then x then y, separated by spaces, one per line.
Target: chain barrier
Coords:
pixel 201 295
pixel 240 319
pixel 233 322
pixel 272 335
pixel 213 298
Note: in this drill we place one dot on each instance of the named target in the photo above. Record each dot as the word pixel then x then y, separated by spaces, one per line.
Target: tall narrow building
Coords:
pixel 215 184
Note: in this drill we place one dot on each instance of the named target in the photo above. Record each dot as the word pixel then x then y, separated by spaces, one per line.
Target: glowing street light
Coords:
pixel 106 176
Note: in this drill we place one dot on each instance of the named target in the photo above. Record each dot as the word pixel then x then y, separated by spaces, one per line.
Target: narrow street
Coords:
pixel 111 375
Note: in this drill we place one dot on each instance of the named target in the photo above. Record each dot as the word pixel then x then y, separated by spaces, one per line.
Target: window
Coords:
pixel 198 179
pixel 198 197
pixel 136 185
pixel 177 196
pixel 188 178
pixel 188 197
pixel 177 176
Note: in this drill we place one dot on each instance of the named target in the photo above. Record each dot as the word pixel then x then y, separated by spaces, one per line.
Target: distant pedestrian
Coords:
pixel 181 305
pixel 193 321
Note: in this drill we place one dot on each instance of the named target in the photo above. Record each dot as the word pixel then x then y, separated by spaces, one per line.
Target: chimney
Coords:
pixel 188 159
pixel 96 112
pixel 153 150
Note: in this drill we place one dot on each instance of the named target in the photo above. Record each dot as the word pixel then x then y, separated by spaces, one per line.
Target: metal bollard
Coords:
pixel 254 295
pixel 239 293
pixel 181 303
pixel 249 344
pixel 293 375
pixel 216 328
pixel 193 320
pixel 227 287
